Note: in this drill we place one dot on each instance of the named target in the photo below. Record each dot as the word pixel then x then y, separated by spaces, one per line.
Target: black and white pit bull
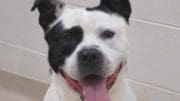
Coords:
pixel 88 50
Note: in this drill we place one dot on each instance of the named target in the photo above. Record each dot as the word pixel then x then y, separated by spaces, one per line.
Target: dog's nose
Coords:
pixel 90 61
pixel 89 56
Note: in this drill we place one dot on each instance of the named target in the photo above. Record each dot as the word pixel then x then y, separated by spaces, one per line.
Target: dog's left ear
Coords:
pixel 121 7
pixel 49 11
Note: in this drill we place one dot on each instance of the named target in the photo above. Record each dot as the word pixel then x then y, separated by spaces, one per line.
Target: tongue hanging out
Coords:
pixel 95 89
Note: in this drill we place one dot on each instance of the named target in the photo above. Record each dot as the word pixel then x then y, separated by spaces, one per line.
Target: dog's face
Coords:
pixel 85 43
pixel 97 42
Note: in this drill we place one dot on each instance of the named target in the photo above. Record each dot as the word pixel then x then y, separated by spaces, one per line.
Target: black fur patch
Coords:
pixel 47 11
pixel 62 43
pixel 121 7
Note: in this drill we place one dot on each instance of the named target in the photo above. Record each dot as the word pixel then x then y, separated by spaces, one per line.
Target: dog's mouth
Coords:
pixel 93 87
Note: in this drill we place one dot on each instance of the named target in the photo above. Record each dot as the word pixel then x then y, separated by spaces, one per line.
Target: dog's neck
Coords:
pixel 64 90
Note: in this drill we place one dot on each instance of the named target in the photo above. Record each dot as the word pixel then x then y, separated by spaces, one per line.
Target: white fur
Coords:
pixel 114 50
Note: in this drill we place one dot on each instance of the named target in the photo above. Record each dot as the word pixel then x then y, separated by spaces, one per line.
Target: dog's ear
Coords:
pixel 49 11
pixel 121 7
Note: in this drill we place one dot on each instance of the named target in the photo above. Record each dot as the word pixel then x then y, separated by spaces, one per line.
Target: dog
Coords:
pixel 88 50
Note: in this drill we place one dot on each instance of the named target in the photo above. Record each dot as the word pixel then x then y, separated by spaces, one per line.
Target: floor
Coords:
pixel 16 88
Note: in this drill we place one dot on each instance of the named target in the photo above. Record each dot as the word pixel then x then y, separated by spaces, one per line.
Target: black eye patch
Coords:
pixel 71 34
pixel 62 43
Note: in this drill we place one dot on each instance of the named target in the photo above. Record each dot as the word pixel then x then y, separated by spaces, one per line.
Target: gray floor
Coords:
pixel 15 88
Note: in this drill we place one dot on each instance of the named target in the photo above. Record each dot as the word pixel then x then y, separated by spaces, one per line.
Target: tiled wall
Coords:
pixel 154 34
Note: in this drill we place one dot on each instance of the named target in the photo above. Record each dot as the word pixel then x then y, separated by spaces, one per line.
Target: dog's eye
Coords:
pixel 67 37
pixel 107 34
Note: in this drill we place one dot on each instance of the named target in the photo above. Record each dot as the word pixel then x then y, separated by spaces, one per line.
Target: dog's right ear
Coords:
pixel 49 11
pixel 121 7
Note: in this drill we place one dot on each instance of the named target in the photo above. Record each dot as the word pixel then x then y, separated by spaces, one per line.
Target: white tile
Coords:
pixel 154 56
pixel 175 17
pixel 152 10
pixel 8 61
pixel 24 63
pixel 20 26
pixel 149 93
pixel 33 66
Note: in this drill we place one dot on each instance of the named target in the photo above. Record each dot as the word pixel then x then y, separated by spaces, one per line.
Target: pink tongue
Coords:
pixel 96 92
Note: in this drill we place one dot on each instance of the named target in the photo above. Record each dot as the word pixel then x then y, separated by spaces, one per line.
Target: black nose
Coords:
pixel 89 56
pixel 90 61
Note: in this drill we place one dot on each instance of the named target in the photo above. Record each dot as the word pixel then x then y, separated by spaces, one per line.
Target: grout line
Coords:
pixel 156 23
pixel 25 77
pixel 22 48
pixel 154 86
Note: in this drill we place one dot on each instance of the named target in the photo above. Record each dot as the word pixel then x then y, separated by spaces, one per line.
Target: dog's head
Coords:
pixel 88 46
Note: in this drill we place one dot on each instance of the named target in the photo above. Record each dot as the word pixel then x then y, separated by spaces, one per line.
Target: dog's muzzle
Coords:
pixel 100 84
pixel 92 84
